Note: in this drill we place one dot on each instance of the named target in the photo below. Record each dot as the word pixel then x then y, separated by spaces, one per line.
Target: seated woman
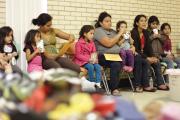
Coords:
pixel 106 40
pixel 144 57
pixel 52 58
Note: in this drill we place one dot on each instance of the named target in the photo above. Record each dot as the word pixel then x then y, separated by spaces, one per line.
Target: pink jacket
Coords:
pixel 83 51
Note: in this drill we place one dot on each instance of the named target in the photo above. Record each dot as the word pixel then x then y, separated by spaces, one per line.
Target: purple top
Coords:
pixel 167 44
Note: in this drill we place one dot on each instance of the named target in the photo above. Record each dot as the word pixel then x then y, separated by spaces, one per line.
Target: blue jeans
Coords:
pixel 91 69
pixel 169 62
pixel 158 74
pixel 177 61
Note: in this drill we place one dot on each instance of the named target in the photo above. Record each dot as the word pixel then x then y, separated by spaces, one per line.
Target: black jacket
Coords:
pixel 157 44
pixel 147 51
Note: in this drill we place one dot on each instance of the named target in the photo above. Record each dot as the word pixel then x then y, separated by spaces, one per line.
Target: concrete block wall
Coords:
pixel 70 15
pixel 2 12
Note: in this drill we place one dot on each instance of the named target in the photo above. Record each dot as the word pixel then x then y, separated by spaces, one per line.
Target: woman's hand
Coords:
pixel 133 49
pixel 152 60
pixel 121 41
pixel 71 38
pixel 135 53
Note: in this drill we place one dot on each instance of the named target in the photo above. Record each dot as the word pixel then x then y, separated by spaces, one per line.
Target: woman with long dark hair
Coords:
pixel 106 40
pixel 144 57
pixel 49 34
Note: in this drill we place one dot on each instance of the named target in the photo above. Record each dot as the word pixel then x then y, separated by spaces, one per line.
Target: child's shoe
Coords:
pixel 126 68
pixel 98 85
pixel 130 69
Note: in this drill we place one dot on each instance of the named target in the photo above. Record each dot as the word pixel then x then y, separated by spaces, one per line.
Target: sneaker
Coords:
pixel 98 85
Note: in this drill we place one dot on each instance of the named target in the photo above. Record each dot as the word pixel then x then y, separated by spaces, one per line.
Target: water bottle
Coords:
pixel 40 45
pixel 126 36
pixel 151 82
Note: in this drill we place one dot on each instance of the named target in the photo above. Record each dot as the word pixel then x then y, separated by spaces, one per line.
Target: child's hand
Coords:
pixel 96 62
pixel 122 31
pixel 37 51
pixel 90 61
pixel 155 59
pixel 150 59
pixel 3 63
pixel 5 57
pixel 14 54
pixel 8 68
pixel 170 56
pixel 9 56
pixel 156 35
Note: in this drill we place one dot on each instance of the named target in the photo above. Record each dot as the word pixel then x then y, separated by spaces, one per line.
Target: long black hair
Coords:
pixel 30 37
pixel 153 19
pixel 101 18
pixel 42 19
pixel 164 25
pixel 85 29
pixel 4 31
pixel 137 18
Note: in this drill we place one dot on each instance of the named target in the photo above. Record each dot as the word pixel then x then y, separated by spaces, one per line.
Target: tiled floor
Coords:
pixel 142 99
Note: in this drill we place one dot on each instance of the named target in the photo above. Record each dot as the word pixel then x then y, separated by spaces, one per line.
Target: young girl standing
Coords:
pixel 84 52
pixel 33 53
pixel 6 44
pixel 125 43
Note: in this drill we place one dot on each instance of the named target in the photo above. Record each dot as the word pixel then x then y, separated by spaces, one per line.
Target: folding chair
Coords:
pixel 130 80
pixel 163 71
pixel 153 75
pixel 105 83
pixel 126 74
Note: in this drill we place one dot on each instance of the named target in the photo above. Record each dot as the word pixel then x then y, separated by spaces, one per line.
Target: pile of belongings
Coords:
pixel 56 94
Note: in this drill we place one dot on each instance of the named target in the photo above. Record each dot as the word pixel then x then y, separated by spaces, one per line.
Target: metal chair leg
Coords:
pixel 132 86
pixel 105 83
pixel 130 81
pixel 153 75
